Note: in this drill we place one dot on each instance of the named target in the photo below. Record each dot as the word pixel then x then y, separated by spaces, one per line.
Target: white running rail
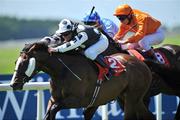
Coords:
pixel 158 108
pixel 40 86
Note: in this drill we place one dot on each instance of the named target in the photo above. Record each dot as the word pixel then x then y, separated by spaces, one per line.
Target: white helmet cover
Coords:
pixel 64 26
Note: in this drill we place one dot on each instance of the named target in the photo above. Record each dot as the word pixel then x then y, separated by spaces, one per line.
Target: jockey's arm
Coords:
pixel 120 34
pixel 142 27
pixel 74 43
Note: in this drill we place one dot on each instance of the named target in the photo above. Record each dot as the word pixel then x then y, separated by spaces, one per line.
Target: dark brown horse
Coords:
pixel 74 80
pixel 165 78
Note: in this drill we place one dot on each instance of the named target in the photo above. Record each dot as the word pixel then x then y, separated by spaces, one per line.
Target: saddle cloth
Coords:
pixel 159 55
pixel 115 64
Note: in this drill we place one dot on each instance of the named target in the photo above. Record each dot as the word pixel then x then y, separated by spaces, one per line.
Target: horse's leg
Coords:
pixel 47 115
pixel 120 101
pixel 143 112
pixel 129 109
pixel 137 111
pixel 89 112
pixel 54 109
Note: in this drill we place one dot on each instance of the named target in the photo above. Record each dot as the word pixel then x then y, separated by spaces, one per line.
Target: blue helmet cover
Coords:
pixel 92 18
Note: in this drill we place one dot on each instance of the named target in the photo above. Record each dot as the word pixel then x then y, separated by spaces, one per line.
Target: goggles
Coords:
pixel 122 17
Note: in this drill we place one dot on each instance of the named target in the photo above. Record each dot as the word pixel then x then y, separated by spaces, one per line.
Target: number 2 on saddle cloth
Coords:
pixel 113 63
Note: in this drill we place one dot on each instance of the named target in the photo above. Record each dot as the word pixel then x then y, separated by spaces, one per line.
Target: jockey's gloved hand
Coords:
pixel 51 50
pixel 123 41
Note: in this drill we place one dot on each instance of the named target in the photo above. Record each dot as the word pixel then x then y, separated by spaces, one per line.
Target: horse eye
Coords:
pixel 24 56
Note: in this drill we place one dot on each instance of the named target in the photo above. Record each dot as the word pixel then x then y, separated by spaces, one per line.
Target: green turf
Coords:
pixel 9 55
pixel 172 40
pixel 7 59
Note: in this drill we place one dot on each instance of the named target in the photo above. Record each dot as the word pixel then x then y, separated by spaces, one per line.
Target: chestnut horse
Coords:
pixel 74 78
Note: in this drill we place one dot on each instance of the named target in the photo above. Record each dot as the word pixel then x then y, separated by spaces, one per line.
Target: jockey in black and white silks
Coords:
pixel 87 38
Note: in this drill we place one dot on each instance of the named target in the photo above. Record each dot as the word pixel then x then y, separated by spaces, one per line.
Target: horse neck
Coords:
pixel 59 66
pixel 49 65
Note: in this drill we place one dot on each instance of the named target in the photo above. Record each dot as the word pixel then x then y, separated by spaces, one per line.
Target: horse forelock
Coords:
pixel 28 48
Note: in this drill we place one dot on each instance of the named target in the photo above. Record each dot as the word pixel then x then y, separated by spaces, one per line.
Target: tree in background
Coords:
pixel 13 28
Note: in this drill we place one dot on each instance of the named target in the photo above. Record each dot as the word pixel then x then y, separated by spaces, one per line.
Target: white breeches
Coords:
pixel 93 51
pixel 148 41
pixel 152 39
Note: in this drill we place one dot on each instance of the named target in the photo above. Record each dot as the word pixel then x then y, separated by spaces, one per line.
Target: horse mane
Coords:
pixel 28 48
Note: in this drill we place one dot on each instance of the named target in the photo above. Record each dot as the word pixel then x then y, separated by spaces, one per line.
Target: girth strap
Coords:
pixel 95 94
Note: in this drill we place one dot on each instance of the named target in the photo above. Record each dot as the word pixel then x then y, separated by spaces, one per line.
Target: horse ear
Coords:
pixel 37 50
pixel 33 47
pixel 27 47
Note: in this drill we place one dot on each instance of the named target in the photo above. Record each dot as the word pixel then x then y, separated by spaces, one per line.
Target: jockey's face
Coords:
pixel 67 36
pixel 124 19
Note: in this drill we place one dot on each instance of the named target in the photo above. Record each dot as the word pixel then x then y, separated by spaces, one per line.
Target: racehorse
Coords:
pixel 165 76
pixel 74 78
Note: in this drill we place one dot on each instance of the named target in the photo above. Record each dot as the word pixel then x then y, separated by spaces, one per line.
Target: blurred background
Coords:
pixel 25 21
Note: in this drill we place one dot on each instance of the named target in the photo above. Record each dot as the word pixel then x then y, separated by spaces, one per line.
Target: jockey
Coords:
pixel 87 38
pixel 148 31
pixel 104 24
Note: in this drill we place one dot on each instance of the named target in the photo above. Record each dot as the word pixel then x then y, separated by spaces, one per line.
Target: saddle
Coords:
pixel 116 65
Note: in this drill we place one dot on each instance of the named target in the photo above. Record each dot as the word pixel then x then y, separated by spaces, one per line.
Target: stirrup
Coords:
pixel 109 75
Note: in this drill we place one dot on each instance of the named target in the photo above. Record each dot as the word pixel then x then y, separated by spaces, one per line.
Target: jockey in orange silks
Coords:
pixel 147 30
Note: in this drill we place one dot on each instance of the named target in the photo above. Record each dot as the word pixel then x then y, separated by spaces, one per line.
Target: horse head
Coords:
pixel 27 65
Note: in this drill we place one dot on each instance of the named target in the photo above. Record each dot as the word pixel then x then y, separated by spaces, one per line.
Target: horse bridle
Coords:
pixel 25 78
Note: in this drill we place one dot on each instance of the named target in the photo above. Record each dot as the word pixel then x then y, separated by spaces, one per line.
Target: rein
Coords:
pixel 69 69
pixel 34 46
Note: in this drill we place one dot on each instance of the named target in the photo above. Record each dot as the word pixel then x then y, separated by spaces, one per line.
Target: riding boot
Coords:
pixel 151 55
pixel 100 59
